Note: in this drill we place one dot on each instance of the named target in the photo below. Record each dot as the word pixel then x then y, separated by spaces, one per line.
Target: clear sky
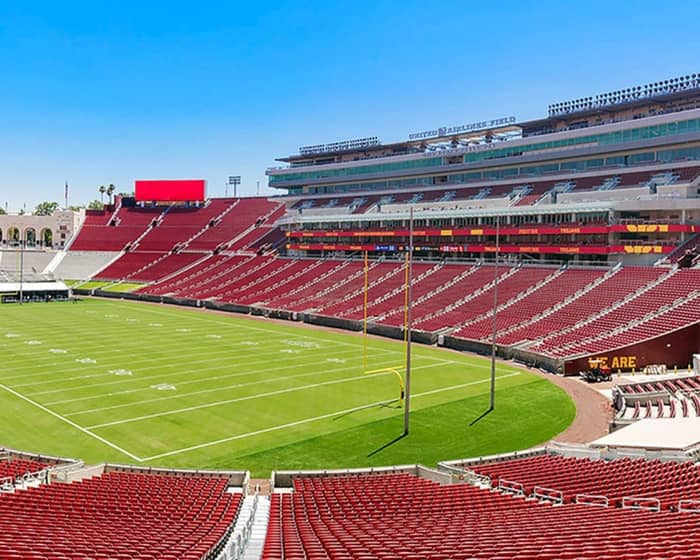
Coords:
pixel 107 92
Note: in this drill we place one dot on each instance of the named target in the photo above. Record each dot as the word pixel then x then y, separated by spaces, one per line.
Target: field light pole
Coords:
pixel 409 304
pixel 234 180
pixel 21 271
pixel 495 306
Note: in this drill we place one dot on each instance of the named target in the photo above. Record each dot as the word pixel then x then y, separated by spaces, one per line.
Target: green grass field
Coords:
pixel 106 380
pixel 106 285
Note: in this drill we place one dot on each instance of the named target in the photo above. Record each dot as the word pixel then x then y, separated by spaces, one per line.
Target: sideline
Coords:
pixel 73 424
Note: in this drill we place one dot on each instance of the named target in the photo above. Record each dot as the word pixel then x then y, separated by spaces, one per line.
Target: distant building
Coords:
pixel 48 232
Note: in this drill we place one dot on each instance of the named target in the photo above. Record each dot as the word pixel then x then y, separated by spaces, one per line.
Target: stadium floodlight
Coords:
pixel 21 269
pixel 234 180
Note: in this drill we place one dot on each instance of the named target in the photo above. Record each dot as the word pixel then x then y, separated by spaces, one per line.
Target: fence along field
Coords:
pixel 106 380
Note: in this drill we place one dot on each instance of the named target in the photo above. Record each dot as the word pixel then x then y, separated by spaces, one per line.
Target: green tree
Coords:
pixel 45 208
pixel 2 211
pixel 95 205
pixel 110 192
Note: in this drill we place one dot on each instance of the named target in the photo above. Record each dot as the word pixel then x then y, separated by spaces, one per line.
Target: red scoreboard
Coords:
pixel 171 190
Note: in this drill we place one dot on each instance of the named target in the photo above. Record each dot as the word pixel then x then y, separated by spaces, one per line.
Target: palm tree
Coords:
pixel 110 191
pixel 102 190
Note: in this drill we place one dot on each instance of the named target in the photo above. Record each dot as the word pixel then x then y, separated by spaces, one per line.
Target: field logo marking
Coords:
pixel 213 336
pixel 301 343
pixel 86 361
pixel 33 342
pixel 247 343
pixel 336 360
pixel 11 335
pixel 155 324
pixel 183 330
pixel 73 424
pixel 289 351
pixel 58 351
pixel 164 387
pixel 121 372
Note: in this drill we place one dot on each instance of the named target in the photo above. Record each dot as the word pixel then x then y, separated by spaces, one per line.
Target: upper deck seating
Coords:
pixel 244 214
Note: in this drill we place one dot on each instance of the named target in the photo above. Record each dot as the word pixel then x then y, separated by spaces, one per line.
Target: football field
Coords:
pixel 106 380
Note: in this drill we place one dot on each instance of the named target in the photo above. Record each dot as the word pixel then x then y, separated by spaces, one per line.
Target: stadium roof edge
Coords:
pixel 605 109
pixel 407 143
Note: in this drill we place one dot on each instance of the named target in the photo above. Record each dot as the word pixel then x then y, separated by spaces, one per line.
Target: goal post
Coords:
pixel 397 373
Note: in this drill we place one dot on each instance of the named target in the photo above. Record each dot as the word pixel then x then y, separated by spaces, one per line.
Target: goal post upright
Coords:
pixel 364 314
pixel 407 326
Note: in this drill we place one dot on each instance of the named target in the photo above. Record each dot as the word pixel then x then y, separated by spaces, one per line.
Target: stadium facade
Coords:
pixel 609 178
pixel 594 212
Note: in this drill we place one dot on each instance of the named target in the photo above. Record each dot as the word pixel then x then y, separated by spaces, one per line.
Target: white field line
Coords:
pixel 220 320
pixel 136 379
pixel 314 419
pixel 350 367
pixel 210 318
pixel 161 367
pixel 237 399
pixel 104 357
pixel 190 380
pixel 232 332
pixel 71 423
pixel 217 389
pixel 194 365
pixel 268 394
pixel 213 390
pixel 228 345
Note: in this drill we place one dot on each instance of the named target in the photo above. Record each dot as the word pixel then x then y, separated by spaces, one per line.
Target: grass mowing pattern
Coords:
pixel 110 286
pixel 158 385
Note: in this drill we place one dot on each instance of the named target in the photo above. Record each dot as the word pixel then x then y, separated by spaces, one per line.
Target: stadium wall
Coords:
pixel 531 359
pixel 674 349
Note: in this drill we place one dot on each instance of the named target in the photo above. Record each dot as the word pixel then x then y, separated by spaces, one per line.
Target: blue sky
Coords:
pixel 108 92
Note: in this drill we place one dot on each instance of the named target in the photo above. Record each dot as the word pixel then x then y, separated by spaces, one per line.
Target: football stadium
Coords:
pixel 377 362
pixel 481 341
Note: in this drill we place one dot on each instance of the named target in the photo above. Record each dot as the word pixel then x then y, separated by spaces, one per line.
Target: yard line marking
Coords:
pixel 73 424
pixel 202 391
pixel 283 391
pixel 265 430
pixel 106 355
pixel 238 399
pixel 161 363
pixel 231 330
pixel 309 420
pixel 136 379
pixel 452 387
